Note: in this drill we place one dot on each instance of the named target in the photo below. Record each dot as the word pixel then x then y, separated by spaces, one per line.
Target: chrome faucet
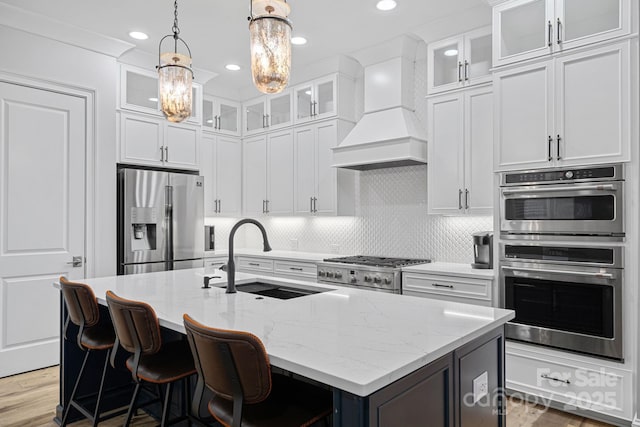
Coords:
pixel 231 265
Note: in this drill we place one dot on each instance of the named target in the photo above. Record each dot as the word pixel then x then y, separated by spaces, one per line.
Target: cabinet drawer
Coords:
pixel 255 264
pixel 214 263
pixel 305 269
pixel 588 387
pixel 451 286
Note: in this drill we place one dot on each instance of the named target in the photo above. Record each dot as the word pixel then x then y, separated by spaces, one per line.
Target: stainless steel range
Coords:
pixel 366 272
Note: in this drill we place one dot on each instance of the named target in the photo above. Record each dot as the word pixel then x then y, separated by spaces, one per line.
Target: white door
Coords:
pixel 592 106
pixel 305 181
pixel 478 150
pixel 524 117
pixel 445 169
pixel 254 182
pixel 229 176
pixel 42 222
pixel 280 173
pixel 326 175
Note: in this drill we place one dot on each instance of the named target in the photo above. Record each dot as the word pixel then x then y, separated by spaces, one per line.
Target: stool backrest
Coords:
pixel 136 325
pixel 223 357
pixel 81 303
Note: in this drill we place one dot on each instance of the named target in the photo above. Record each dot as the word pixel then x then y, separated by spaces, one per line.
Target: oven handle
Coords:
pixel 604 187
pixel 573 273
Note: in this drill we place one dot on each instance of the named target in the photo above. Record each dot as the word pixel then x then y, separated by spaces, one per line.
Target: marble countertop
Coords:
pixel 358 341
pixel 275 254
pixel 450 268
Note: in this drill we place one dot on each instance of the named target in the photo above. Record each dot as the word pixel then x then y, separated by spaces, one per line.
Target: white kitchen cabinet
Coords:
pixel 286 269
pixel 255 265
pixel 460 172
pixel 323 98
pixel 221 116
pixel 316 181
pixel 524 29
pixel 570 110
pixel 268 174
pixel 139 92
pixel 269 112
pixel 222 170
pixel 447 287
pixel 153 141
pixel 460 61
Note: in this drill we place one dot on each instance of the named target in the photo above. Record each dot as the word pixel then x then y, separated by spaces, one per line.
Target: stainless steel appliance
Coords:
pixel 564 296
pixel 585 201
pixel 160 221
pixel 482 250
pixel 366 272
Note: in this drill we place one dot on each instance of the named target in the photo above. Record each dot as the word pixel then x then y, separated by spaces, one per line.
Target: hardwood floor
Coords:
pixel 29 400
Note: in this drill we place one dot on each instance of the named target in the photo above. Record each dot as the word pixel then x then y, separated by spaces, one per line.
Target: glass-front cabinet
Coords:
pixel 268 112
pixel 460 61
pixel 526 29
pixel 221 116
pixel 316 99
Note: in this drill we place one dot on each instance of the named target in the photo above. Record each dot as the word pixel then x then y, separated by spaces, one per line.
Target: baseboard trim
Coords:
pixel 636 421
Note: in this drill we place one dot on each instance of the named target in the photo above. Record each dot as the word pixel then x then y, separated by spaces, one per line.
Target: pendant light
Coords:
pixel 270 34
pixel 175 77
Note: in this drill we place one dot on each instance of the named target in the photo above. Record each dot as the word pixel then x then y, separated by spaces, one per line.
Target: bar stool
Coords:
pixel 138 332
pixel 93 336
pixel 235 366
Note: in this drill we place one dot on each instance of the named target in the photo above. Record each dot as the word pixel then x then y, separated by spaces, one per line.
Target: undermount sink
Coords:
pixel 280 291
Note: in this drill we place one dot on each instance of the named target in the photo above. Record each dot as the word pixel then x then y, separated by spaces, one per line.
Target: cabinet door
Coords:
pixel 141 140
pixel 254 173
pixel 228 113
pixel 209 119
pixel 592 106
pixel 445 65
pixel 305 170
pixel 445 171
pixel 207 169
pixel 182 146
pixel 229 176
pixel 254 113
pixel 280 173
pixel 588 21
pixel 280 108
pixel 139 90
pixel 477 56
pixel 303 103
pixel 524 116
pixel 522 29
pixel 326 175
pixel 325 97
pixel 478 150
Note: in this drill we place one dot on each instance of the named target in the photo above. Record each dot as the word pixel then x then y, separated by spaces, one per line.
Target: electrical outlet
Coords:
pixel 480 386
pixel 293 244
pixel 335 249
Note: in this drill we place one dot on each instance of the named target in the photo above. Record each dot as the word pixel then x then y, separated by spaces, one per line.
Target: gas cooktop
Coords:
pixel 374 261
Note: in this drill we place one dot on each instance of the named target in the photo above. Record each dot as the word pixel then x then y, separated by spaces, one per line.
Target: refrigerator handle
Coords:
pixel 168 219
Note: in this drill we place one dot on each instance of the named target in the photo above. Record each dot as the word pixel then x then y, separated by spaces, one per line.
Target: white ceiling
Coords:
pixel 217 30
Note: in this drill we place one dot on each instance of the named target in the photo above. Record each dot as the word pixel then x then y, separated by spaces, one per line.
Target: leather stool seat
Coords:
pixel 99 337
pixel 172 363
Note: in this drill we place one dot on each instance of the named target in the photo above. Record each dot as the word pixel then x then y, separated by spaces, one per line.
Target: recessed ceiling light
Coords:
pixel 307 92
pixel 386 5
pixel 298 40
pixel 210 121
pixel 138 35
pixel 451 52
pixel 153 99
pixel 232 67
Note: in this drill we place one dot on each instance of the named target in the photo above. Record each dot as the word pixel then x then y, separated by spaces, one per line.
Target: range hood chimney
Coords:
pixel 389 133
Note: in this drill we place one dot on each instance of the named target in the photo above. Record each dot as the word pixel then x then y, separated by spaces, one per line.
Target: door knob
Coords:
pixel 76 261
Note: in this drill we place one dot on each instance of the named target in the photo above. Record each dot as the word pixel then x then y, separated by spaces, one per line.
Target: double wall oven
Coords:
pixel 560 268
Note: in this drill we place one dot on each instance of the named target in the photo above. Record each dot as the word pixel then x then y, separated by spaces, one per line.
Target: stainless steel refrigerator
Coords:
pixel 160 221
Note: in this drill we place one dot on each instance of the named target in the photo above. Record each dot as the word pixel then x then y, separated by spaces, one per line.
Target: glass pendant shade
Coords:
pixel 270 36
pixel 175 81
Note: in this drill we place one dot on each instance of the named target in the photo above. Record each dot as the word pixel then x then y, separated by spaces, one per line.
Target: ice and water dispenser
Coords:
pixel 143 229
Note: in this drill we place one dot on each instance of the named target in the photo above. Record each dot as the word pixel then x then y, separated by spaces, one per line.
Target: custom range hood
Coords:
pixel 389 133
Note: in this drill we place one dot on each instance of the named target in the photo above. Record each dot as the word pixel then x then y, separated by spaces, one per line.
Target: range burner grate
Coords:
pixel 377 261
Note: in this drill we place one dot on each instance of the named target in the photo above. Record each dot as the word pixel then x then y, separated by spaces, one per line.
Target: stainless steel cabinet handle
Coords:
pixel 549 142
pixel 562 272
pixel 166 153
pixel 218 122
pixel 558 147
pixel 549 34
pixel 559 31
pixel 459 71
pixel 219 206
pixel 459 199
pixel 267 206
pixel 295 269
pixel 162 154
pixel 438 285
pixel 315 204
pixel 311 109
pixel 310 204
pixel 76 261
pixel 264 210
pixel 466 198
pixel 466 70
pixel 254 264
pixel 549 377
pixel 603 187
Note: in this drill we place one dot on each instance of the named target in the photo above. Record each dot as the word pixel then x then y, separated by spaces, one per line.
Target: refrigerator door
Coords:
pixel 143 216
pixel 187 217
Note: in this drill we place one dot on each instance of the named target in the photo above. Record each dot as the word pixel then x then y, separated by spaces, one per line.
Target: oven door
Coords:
pixel 577 309
pixel 573 209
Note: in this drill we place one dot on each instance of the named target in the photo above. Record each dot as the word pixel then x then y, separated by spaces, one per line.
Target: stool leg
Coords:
pixel 132 405
pixel 96 415
pixel 75 389
pixel 167 405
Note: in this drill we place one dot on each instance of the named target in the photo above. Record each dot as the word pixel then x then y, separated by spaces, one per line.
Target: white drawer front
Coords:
pixel 451 286
pixel 304 269
pixel 592 388
pixel 255 264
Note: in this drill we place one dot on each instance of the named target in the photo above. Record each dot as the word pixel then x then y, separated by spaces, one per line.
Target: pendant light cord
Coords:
pixel 175 29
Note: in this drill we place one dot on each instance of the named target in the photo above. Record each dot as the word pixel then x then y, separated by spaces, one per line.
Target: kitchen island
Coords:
pixel 389 359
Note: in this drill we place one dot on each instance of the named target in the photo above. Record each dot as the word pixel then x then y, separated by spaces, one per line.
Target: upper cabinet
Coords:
pixel 569 110
pixel 323 98
pixel 222 170
pixel 221 116
pixel 139 92
pixel 460 61
pixel 524 29
pixel 267 112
